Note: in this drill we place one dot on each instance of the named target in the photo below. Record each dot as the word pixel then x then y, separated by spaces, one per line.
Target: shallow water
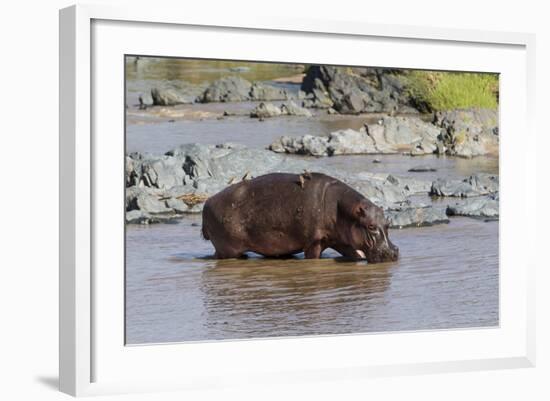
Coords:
pixel 149 69
pixel 160 137
pixel 447 277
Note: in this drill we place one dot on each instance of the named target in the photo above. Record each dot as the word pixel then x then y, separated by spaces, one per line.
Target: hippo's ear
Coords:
pixel 361 211
pixel 353 208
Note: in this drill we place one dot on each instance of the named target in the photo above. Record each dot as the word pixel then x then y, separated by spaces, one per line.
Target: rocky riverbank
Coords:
pixel 341 90
pixel 375 112
pixel 161 188
pixel 464 133
pixel 227 89
pixel 355 90
pixel 408 124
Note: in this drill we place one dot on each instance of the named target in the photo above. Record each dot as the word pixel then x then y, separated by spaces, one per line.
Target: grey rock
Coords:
pixel 162 172
pixel 391 135
pixel 320 100
pixel 177 205
pixel 405 134
pixel 484 183
pixel 468 133
pixel 132 171
pixel 198 149
pixel 252 162
pixel 133 192
pixel 155 183
pixel 475 207
pixel 284 144
pixel 351 102
pixel 381 146
pixel 171 96
pixel 410 185
pixel 146 205
pixel 379 191
pixel 292 109
pixel 421 169
pixel 161 183
pixel 151 204
pixel 475 185
pixel 445 187
pixel 357 90
pixel 196 158
pixel 137 217
pixel 305 145
pixel 228 161
pixel 237 89
pixel 263 92
pixel 266 110
pixel 416 217
pixel 210 186
pixel 227 89
pixel 315 145
pixel 348 142
pixel 146 201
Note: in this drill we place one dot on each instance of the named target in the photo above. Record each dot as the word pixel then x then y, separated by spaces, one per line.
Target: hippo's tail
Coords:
pixel 206 218
pixel 204 232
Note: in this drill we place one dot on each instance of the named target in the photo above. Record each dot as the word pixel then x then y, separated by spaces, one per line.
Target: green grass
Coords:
pixel 454 90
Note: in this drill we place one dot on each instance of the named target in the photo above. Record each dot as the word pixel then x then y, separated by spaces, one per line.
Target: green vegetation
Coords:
pixel 454 90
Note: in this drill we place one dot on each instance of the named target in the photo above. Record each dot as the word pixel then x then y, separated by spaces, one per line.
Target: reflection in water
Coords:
pixel 447 277
pixel 289 297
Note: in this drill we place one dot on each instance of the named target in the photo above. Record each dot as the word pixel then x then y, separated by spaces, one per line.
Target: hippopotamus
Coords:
pixel 280 214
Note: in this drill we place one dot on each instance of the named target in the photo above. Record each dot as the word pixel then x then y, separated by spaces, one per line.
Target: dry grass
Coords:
pixel 193 199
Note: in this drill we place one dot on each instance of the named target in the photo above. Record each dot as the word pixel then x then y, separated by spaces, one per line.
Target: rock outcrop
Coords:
pixel 484 207
pixel 352 90
pixel 475 185
pixel 237 89
pixel 416 217
pixel 459 133
pixel 161 188
pixel 171 97
pixel 391 135
pixel 468 133
pixel 265 110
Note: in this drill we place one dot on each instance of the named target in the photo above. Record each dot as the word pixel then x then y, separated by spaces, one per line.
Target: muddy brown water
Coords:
pixel 446 277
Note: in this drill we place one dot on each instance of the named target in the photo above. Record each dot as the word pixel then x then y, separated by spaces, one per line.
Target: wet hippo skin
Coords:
pixel 279 214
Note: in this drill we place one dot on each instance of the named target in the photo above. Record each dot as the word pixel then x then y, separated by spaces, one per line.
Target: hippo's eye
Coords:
pixel 372 228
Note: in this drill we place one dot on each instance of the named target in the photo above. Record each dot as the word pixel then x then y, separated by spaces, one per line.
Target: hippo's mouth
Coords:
pixel 360 254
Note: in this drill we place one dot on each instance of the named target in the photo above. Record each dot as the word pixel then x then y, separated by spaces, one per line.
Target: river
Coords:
pixel 447 275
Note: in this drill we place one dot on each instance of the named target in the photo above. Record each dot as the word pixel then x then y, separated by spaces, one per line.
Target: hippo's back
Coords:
pixel 276 202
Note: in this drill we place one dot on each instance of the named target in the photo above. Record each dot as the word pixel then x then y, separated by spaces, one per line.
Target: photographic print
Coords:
pixel 268 199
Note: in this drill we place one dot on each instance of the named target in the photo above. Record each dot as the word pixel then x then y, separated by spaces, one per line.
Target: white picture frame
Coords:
pixel 93 358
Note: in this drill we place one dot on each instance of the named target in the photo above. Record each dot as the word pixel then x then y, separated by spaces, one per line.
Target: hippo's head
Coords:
pixel 368 234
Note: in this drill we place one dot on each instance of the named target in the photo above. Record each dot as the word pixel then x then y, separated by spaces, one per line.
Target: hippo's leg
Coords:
pixel 313 251
pixel 228 253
